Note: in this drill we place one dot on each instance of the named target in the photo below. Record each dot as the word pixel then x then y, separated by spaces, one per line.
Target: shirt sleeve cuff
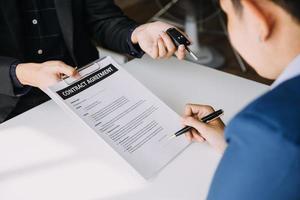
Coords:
pixel 19 88
pixel 134 49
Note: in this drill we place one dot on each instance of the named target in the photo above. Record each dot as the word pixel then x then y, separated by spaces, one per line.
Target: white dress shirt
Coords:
pixel 290 72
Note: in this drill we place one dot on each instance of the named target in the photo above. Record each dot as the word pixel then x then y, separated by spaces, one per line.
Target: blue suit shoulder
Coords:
pixel 278 112
pixel 262 160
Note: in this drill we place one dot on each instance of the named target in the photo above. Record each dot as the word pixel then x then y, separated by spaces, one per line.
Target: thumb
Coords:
pixel 66 69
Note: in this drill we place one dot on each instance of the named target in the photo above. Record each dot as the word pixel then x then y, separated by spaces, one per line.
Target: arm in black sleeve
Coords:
pixel 19 88
pixel 9 85
pixel 109 25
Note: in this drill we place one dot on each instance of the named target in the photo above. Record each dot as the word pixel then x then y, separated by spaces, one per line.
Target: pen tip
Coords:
pixel 171 137
pixel 194 56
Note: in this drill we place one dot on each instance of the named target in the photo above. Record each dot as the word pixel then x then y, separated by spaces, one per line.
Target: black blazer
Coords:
pixel 82 22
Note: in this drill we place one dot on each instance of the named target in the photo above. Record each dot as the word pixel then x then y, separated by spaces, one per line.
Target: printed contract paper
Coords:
pixel 124 113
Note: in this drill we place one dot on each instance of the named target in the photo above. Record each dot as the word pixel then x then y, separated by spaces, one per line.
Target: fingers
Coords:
pixel 161 48
pixel 188 110
pixel 169 44
pixel 199 126
pixel 154 51
pixel 180 53
pixel 212 133
pixel 61 68
pixel 153 39
pixel 199 110
pixel 167 48
pixel 194 135
pixel 197 136
pixel 189 136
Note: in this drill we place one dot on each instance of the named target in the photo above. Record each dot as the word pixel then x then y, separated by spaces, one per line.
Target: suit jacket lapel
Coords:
pixel 64 14
pixel 10 10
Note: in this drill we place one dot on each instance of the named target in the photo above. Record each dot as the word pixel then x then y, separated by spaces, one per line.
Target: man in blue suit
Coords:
pixel 261 145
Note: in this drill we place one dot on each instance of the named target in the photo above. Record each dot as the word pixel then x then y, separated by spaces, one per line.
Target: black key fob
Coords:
pixel 177 37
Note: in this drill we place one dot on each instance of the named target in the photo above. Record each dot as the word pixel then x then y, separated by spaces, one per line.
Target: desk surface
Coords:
pixel 44 155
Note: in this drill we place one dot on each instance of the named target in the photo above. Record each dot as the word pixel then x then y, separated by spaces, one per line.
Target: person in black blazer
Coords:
pixel 44 39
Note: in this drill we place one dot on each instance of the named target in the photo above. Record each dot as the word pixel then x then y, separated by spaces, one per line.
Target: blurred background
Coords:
pixel 204 22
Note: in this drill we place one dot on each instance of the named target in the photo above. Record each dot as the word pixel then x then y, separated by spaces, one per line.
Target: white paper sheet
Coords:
pixel 124 113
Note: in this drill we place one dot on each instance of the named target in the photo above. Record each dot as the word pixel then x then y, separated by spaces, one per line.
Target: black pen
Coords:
pixel 211 117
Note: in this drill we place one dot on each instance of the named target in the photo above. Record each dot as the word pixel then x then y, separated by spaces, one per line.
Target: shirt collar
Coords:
pixel 290 72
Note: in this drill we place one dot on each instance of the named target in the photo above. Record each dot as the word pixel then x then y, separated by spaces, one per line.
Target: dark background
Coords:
pixel 143 10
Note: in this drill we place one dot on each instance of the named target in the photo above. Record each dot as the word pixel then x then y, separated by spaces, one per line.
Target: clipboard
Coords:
pixel 122 112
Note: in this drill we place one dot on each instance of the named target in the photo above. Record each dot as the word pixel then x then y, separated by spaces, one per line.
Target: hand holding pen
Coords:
pixel 211 132
pixel 208 118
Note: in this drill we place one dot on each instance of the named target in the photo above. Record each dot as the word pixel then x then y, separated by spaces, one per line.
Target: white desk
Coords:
pixel 44 155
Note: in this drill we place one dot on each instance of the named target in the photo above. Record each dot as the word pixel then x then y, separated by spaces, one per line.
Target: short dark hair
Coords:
pixel 291 6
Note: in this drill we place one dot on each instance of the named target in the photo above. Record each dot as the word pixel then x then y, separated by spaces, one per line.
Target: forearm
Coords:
pixel 109 25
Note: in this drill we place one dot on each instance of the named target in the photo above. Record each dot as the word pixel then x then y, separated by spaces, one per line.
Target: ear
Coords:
pixel 258 19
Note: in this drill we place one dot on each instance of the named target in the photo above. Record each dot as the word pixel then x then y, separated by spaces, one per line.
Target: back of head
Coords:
pixel 290 6
pixel 265 32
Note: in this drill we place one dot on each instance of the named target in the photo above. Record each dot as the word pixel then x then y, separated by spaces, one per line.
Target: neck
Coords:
pixel 286 45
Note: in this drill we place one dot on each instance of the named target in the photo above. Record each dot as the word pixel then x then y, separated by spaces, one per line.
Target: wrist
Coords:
pixel 20 73
pixel 13 76
pixel 24 74
pixel 135 33
pixel 222 144
pixel 134 39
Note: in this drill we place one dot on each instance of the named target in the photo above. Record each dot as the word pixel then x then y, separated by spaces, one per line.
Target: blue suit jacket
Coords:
pixel 262 160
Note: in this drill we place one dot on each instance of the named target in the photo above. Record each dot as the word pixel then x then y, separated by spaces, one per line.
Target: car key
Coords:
pixel 179 39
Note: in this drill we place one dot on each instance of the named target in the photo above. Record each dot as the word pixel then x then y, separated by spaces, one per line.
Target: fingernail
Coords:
pixel 77 76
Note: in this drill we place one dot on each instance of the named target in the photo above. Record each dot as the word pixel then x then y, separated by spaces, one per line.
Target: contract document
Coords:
pixel 124 113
